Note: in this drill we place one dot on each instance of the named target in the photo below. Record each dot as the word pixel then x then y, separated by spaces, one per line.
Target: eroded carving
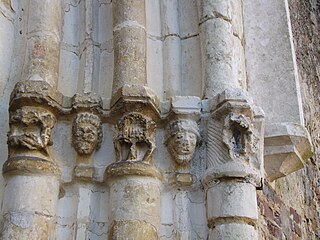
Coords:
pixel 87 133
pixel 135 138
pixel 31 127
pixel 182 138
pixel 88 100
pixel 238 135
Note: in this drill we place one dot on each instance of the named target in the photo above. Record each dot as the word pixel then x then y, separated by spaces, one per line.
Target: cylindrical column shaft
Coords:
pixel 221 31
pixel 29 207
pixel 232 210
pixel 135 207
pixel 129 21
pixel 171 47
pixel 43 41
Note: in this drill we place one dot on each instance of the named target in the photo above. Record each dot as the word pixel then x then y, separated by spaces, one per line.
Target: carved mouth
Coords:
pixel 185 151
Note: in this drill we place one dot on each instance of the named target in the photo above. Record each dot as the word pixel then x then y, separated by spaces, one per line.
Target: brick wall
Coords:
pixel 290 208
pixel 277 220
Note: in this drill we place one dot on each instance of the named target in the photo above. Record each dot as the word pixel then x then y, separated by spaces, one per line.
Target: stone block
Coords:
pixel 287 147
pixel 233 231
pixel 220 201
pixel 270 60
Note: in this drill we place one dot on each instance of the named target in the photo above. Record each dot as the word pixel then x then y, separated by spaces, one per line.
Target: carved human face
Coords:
pixel 86 138
pixel 182 146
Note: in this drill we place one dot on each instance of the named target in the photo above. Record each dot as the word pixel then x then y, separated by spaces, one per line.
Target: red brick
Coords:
pixel 296 217
pixel 274 230
pixel 268 212
pixel 297 230
pixel 277 218
pixel 294 236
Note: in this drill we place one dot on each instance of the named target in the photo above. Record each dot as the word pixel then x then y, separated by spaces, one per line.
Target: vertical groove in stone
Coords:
pixel 43 41
pixel 221 31
pixel 129 23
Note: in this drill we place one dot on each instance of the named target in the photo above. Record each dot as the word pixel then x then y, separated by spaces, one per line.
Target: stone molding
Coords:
pixel 287 147
pixel 37 103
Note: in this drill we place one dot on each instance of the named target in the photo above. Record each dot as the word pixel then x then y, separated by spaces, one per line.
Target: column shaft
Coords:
pixel 221 31
pixel 43 41
pixel 171 47
pixel 29 207
pixel 129 23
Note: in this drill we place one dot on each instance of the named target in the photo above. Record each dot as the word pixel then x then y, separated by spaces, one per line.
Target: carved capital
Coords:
pixel 135 98
pixel 235 137
pixel 86 133
pixel 33 105
pixel 30 128
pixel 182 138
pixel 36 93
pixel 135 138
pixel 182 131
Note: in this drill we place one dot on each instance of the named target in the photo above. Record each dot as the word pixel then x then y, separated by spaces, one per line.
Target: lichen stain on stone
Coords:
pixel 7 3
pixel 132 229
pixel 22 220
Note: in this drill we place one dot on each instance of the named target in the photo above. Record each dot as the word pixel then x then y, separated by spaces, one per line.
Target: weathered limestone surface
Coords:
pixel 138 120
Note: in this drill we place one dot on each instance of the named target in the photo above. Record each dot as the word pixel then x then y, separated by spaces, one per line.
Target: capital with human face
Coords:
pixel 87 133
pixel 182 140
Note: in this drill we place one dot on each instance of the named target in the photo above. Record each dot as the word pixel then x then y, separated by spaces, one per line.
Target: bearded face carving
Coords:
pixel 87 133
pixel 182 140
pixel 30 128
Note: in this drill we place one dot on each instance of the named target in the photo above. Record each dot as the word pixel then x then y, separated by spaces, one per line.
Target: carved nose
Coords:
pixel 186 142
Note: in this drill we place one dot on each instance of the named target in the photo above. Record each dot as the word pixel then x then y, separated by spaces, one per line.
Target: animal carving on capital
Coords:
pixel 135 138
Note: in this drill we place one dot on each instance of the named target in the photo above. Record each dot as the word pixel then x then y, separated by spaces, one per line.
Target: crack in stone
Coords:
pixel 214 15
pixel 163 38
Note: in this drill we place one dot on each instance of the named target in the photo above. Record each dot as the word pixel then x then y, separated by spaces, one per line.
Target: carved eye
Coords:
pixel 179 136
pixel 192 136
